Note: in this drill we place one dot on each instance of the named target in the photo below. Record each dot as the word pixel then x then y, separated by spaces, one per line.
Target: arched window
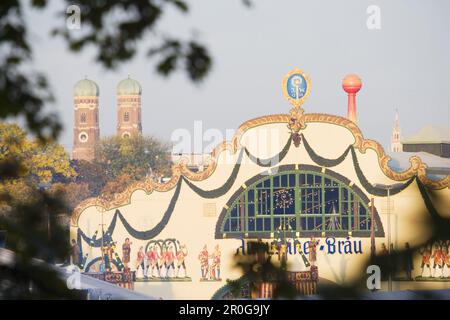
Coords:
pixel 83 117
pixel 126 117
pixel 300 203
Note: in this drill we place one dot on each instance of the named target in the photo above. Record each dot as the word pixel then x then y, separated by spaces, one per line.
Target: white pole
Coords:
pixel 389 238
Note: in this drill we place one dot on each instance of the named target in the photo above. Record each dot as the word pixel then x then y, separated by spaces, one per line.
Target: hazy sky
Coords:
pixel 404 65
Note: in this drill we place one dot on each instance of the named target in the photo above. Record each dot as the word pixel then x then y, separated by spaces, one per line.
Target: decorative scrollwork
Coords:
pixel 296 120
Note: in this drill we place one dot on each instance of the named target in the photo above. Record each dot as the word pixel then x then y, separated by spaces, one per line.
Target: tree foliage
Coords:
pixel 125 160
pixel 29 213
pixel 34 233
pixel 36 164
pixel 71 193
pixel 90 173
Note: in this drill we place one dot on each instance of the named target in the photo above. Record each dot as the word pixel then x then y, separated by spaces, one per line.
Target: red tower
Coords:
pixel 129 108
pixel 86 130
pixel 352 84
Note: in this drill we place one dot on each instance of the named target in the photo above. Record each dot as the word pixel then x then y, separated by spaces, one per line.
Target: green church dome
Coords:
pixel 129 87
pixel 86 87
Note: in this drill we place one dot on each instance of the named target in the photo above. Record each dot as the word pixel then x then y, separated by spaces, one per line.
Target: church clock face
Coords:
pixel 83 137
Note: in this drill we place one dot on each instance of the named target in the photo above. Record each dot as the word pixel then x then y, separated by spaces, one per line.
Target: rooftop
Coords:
pixel 437 166
pixel 430 134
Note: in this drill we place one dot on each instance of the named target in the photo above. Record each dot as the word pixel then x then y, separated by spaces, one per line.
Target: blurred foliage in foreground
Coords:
pixel 28 165
pixel 114 29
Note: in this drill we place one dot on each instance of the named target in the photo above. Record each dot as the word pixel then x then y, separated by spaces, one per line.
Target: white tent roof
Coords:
pixel 103 289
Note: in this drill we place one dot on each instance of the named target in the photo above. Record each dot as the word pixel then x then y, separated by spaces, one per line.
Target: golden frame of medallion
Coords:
pixel 296 102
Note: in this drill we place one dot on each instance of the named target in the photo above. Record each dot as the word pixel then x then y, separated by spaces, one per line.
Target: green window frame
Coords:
pixel 298 203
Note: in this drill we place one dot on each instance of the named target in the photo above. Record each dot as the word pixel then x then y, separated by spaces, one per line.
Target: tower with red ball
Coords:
pixel 352 84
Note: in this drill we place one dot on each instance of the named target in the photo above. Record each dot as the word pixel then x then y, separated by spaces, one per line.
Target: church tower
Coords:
pixel 86 131
pixel 129 108
pixel 396 145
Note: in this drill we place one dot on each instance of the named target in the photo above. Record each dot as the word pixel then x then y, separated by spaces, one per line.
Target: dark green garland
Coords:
pixel 271 161
pixel 321 161
pixel 141 235
pixel 381 192
pixel 428 203
pixel 441 225
pixel 209 194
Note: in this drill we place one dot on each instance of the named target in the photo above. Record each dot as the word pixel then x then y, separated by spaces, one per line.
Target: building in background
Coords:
pixel 431 144
pixel 129 108
pixel 431 139
pixel 396 145
pixel 317 196
pixel 86 130
pixel 196 162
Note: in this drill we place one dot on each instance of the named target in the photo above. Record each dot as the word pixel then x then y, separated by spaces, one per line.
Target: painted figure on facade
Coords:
pixel 162 261
pixel 152 262
pixel 282 252
pixel 273 249
pixel 447 259
pixel 438 261
pixel 126 252
pixel 111 252
pixel 167 257
pixel 170 261
pixel 436 258
pixel 215 267
pixel 313 251
pixel 106 259
pixel 446 256
pixel 140 261
pixel 181 256
pixel 204 262
pixel 425 252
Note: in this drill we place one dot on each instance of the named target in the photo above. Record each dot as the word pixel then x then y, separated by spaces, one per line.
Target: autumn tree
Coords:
pixel 71 193
pixel 125 160
pixel 90 173
pixel 37 164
